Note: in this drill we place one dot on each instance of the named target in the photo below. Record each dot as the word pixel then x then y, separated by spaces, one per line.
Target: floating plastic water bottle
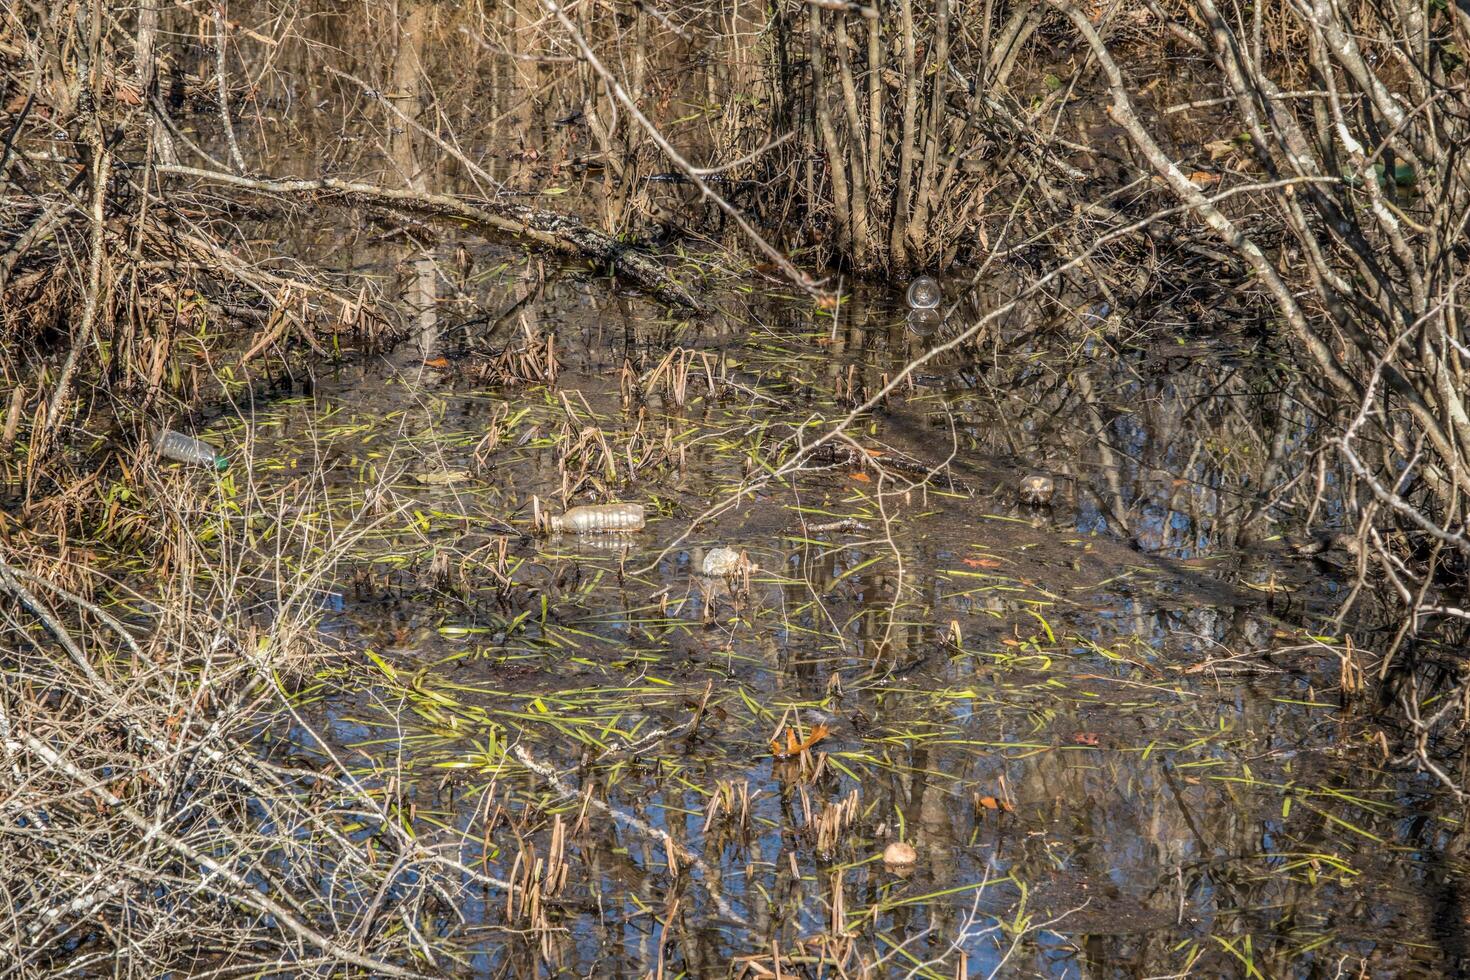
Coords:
pixel 599 517
pixel 186 449
pixel 924 293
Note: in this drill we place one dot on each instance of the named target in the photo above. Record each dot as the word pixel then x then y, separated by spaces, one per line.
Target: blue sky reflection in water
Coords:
pixel 1076 706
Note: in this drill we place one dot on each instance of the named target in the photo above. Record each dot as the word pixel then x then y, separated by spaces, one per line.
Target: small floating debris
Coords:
pixel 924 293
pixel 847 525
pixel 795 745
pixel 992 803
pixel 186 449
pixel 721 562
pixel 1323 543
pixel 900 855
pixel 1037 489
pixel 442 477
pixel 598 518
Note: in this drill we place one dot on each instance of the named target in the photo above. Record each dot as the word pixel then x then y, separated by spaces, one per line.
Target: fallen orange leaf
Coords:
pixel 794 747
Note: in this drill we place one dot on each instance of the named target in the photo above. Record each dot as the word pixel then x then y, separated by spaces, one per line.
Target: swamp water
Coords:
pixel 1105 728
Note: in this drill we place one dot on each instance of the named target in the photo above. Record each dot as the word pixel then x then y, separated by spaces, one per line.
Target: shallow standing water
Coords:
pixel 1106 727
pixel 1110 731
pixel 1106 730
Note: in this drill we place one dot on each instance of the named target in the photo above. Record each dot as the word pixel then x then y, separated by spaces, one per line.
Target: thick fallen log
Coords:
pixel 547 229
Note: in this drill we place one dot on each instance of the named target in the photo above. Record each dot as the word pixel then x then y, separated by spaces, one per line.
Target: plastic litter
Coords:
pixel 719 562
pixel 924 293
pixel 1037 489
pixel 186 449
pixel 596 518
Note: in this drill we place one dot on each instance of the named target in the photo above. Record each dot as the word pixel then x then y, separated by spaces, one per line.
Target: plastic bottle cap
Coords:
pixel 924 293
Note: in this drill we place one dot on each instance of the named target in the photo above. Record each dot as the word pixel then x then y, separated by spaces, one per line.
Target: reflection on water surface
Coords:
pixel 1073 713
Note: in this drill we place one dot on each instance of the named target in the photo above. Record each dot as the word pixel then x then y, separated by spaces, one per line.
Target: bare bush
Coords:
pixel 1350 213
pixel 907 126
pixel 147 830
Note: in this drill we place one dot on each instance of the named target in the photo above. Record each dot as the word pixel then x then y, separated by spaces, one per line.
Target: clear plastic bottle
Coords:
pixel 186 449
pixel 924 293
pixel 599 517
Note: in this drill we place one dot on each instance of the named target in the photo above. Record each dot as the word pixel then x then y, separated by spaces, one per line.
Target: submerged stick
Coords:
pixel 549 229
pixel 559 786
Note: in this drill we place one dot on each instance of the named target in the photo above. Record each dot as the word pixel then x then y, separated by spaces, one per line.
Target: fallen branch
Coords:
pixel 548 229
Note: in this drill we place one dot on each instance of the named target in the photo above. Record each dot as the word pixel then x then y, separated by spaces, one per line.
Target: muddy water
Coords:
pixel 1103 724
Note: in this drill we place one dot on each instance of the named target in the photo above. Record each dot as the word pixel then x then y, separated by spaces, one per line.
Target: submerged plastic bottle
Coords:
pixel 924 293
pixel 186 449
pixel 599 517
